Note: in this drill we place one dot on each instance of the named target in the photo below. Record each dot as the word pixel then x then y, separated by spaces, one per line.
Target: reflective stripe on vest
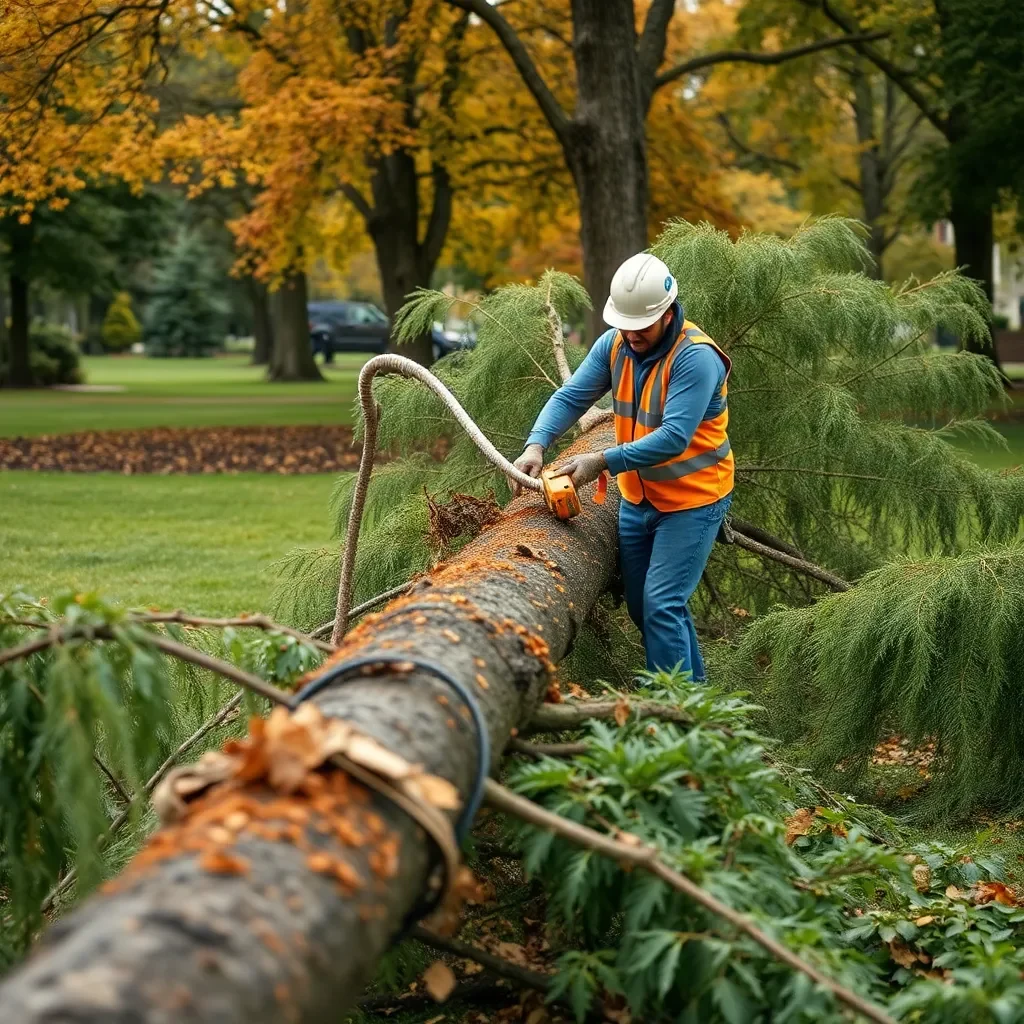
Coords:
pixel 704 472
pixel 674 470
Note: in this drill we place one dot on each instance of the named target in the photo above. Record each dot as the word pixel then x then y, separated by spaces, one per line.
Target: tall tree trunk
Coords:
pixel 872 191
pixel 608 151
pixel 973 234
pixel 19 373
pixel 262 324
pixel 292 356
pixel 270 940
pixel 404 260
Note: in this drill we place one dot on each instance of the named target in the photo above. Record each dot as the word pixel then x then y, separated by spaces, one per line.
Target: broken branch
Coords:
pixel 647 858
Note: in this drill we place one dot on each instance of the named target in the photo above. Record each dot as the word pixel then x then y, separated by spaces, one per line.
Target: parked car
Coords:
pixel 348 326
pixel 345 326
pixel 457 335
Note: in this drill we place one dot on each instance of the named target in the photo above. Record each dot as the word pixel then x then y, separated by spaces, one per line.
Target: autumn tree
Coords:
pixel 959 63
pixel 618 69
pixel 834 130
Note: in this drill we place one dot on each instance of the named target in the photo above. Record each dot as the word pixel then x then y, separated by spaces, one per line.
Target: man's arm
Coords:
pixel 697 373
pixel 576 395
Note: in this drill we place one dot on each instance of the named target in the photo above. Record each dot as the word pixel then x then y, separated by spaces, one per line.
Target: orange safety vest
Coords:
pixel 698 476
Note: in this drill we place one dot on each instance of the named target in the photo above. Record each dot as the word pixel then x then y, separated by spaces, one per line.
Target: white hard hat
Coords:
pixel 642 289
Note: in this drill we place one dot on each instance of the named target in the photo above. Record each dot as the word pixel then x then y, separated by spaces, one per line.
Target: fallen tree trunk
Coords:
pixel 259 908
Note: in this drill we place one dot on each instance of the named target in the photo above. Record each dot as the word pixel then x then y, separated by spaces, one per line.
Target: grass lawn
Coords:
pixel 224 391
pixel 203 543
pixel 995 457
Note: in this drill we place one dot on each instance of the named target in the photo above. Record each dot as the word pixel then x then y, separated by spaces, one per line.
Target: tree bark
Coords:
pixel 871 169
pixel 280 943
pixel 406 259
pixel 262 323
pixel 292 355
pixel 973 235
pixel 608 150
pixel 406 262
pixel 19 374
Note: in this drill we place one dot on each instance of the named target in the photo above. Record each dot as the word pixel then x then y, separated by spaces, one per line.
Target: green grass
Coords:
pixel 996 457
pixel 203 543
pixel 225 391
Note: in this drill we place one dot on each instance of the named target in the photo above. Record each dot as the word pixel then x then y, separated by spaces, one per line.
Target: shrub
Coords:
pixel 120 328
pixel 53 356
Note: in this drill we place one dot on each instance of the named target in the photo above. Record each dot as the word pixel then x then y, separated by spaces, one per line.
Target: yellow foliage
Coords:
pixel 761 202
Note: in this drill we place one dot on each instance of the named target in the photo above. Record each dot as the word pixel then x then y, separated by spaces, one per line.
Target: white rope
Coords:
pixel 390 363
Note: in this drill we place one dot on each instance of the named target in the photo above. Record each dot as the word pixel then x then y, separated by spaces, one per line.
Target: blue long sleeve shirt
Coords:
pixel 695 378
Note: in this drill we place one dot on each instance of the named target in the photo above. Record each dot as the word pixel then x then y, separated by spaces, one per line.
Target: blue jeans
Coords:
pixel 663 555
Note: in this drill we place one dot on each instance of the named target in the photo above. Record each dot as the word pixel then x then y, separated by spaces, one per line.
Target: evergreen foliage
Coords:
pixel 928 648
pixel 186 315
pixel 117 699
pixel 879 919
pixel 502 383
pixel 120 329
pixel 841 412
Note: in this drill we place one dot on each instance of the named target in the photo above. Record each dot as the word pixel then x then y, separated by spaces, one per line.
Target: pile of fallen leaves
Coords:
pixel 165 450
pixel 897 750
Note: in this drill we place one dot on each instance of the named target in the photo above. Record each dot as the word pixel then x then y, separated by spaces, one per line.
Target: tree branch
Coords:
pixel 756 57
pixel 539 750
pixel 126 797
pixel 534 81
pixel 325 629
pixel 62 634
pixel 571 715
pixel 495 964
pixel 358 200
pixel 630 849
pixel 837 583
pixel 439 220
pixel 723 119
pixel 750 530
pixel 240 622
pixel 207 727
pixel 650 49
pixel 902 77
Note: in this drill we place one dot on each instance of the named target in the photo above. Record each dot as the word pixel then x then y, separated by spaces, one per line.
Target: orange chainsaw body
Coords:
pixel 560 495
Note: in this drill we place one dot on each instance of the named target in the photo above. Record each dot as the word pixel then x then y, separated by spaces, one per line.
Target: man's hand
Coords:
pixel 531 462
pixel 583 469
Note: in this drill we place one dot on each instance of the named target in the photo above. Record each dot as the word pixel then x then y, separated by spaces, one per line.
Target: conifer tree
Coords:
pixel 842 417
pixel 842 414
pixel 186 316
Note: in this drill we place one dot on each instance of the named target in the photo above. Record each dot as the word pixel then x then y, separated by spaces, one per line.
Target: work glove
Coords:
pixel 583 469
pixel 531 462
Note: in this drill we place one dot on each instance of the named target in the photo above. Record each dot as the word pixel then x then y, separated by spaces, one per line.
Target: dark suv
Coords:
pixel 337 326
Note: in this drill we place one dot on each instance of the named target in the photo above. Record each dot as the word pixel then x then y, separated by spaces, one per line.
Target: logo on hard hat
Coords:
pixel 668 283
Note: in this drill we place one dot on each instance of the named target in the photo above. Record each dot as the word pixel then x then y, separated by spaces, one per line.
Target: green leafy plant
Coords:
pixel 53 355
pixel 90 708
pixel 925 929
pixel 120 328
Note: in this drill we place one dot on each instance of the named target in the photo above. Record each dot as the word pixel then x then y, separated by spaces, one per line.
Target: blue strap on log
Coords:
pixel 483 742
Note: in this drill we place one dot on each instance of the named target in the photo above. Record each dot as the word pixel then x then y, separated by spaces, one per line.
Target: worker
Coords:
pixel 671 458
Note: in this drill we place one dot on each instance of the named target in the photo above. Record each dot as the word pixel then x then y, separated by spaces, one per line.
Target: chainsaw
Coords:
pixel 560 493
